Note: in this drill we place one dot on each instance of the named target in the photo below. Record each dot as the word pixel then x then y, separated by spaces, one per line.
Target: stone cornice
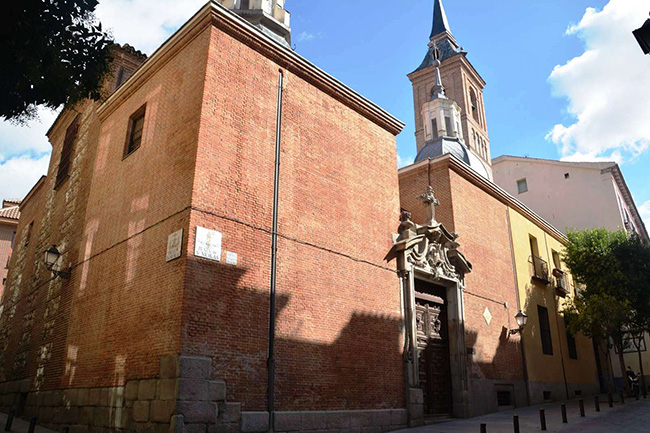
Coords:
pixel 615 170
pixel 460 57
pixel 489 187
pixel 215 14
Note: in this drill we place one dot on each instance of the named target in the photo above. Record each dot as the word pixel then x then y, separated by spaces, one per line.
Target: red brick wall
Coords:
pixel 7 234
pixel 337 302
pixel 481 222
pixel 120 310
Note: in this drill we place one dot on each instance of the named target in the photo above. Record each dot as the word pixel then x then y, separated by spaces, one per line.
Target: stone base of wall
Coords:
pixel 182 399
pixel 341 421
pixel 558 391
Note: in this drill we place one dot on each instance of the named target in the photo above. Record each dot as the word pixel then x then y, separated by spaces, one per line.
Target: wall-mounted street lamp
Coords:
pixel 642 35
pixel 521 319
pixel 52 256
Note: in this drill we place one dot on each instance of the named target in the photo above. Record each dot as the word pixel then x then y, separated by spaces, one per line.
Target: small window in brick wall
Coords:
pixel 134 132
pixel 504 398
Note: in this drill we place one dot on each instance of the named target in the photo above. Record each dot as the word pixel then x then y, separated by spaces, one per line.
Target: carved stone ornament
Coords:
pixel 431 249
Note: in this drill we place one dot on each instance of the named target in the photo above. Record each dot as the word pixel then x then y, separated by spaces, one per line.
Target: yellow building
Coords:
pixel 558 365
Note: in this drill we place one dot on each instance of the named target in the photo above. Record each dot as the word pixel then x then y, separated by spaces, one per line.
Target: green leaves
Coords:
pixel 615 271
pixel 55 53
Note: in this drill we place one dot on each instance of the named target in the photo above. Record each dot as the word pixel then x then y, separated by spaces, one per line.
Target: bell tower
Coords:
pixel 462 84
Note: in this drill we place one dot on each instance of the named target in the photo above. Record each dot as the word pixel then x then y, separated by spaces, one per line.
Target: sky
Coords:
pixel 565 79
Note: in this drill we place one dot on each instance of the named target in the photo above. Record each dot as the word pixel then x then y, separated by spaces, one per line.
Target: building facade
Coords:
pixel 161 201
pixel 577 196
pixel 500 366
pixel 225 263
pixel 571 195
pixel 9 216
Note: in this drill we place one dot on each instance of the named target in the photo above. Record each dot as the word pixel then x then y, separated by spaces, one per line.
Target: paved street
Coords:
pixel 634 416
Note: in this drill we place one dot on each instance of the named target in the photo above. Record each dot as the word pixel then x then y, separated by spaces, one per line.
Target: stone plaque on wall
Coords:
pixel 174 245
pixel 208 244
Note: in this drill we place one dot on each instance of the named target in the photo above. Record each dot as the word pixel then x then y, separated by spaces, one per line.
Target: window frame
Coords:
pixel 140 113
pixel 67 150
pixel 525 183
pixel 547 344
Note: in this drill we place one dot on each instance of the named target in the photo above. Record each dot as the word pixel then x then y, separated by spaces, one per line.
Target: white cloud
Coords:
pixel 404 161
pixel 607 87
pixel 644 210
pixel 307 36
pixel 145 24
pixel 30 138
pixel 18 175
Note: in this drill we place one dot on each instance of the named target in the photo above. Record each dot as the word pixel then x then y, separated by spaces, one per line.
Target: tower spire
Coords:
pixel 440 23
pixel 442 44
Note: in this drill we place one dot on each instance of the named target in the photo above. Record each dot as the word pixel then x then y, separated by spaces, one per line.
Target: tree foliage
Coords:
pixel 614 271
pixel 54 53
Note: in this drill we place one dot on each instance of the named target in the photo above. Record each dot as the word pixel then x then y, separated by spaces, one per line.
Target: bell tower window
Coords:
pixel 434 129
pixel 474 103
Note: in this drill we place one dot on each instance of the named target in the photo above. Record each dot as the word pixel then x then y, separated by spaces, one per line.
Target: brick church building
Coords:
pixel 207 252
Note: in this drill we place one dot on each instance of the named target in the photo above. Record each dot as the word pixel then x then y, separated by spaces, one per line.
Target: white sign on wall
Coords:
pixel 174 245
pixel 231 258
pixel 208 244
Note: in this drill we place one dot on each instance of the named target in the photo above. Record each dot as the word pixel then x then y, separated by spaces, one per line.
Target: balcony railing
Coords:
pixel 539 269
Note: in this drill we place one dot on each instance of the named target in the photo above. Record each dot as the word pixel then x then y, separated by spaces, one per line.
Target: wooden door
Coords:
pixel 433 356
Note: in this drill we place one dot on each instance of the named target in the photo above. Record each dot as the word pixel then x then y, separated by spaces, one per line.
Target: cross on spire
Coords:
pixel 429 199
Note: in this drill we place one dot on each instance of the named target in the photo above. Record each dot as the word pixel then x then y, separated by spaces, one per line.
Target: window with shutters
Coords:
pixel 545 330
pixel 134 132
pixel 67 151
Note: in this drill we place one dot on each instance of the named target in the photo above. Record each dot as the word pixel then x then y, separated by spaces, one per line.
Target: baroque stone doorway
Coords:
pixel 433 348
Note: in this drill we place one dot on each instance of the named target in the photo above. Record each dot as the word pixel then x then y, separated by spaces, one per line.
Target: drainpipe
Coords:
pixel 270 394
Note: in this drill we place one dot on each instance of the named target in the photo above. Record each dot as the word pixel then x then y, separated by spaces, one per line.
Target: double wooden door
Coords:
pixel 433 354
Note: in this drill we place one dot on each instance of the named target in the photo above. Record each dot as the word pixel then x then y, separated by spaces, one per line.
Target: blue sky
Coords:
pixel 596 100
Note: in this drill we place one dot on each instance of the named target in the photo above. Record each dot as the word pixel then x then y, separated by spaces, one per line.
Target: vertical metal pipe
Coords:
pixel 515 422
pixel 483 428
pixel 597 404
pixel 270 394
pixel 542 419
pixel 563 409
pixel 622 396
pixel 610 399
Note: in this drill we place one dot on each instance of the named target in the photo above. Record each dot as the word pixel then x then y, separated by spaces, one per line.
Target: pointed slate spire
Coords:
pixel 442 44
pixel 440 23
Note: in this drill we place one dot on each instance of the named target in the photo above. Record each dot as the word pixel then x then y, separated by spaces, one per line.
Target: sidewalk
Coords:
pixel 632 417
pixel 20 426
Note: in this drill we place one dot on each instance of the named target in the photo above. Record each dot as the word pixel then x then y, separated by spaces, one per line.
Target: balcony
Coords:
pixel 539 269
pixel 561 283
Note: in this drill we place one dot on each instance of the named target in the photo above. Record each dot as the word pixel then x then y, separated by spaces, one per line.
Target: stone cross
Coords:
pixel 430 200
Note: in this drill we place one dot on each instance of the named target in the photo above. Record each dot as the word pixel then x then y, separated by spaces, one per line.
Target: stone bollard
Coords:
pixel 596 403
pixel 563 409
pixel 10 420
pixel 581 403
pixel 542 419
pixel 515 422
pixel 32 425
